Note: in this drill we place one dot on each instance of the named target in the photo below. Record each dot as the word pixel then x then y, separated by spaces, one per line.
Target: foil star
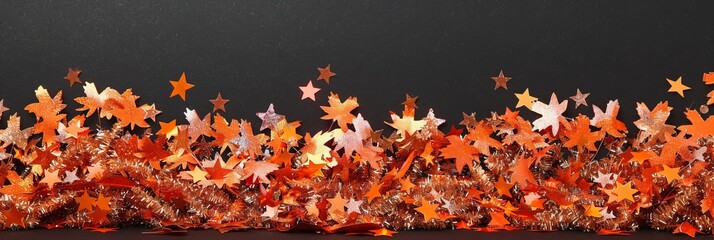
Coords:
pixel 579 98
pixel 269 117
pixel 501 81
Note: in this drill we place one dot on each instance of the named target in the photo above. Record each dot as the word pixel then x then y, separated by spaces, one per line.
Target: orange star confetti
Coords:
pixel 102 202
pixel 14 217
pixel 325 74
pixel 180 87
pixel 498 220
pixel 677 86
pixel 73 76
pixel 51 178
pixel 501 81
pixel 383 232
pixel 428 210
pixel 308 91
pixel 374 192
pixel 686 228
pixel 519 169
pixel 168 129
pixel 219 103
pixel 622 192
pixel 197 175
pixel 525 99
pixel 640 157
pixel 579 98
pixel 337 204
pixel 85 201
pixel 670 173
pixel 593 211
pixel 407 185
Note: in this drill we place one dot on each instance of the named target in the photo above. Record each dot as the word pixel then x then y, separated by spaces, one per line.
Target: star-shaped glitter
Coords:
pixel 677 86
pixel 308 91
pixel 531 197
pixel 604 179
pixel 325 74
pixel 70 176
pixel 606 213
pixel 525 99
pixel 73 76
pixel 579 98
pixel 151 111
pixel 353 206
pixel 51 178
pixel 269 117
pixel 180 87
pixel 501 81
pixel 270 212
pixel 219 103
pixel 449 206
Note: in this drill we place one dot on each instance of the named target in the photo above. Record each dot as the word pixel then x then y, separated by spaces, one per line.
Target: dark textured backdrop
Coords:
pixel 258 52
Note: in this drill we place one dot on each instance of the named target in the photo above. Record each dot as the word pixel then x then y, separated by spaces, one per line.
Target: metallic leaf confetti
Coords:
pixel 561 171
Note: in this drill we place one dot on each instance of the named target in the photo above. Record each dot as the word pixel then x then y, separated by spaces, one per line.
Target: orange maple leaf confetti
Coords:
pixel 607 121
pixel 580 136
pixel 461 151
pixel 653 123
pixel 47 111
pixel 339 111
pixel 131 116
pixel 332 178
pixel 521 172
pixel 699 127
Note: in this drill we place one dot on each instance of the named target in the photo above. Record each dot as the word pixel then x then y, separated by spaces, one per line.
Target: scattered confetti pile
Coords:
pixel 500 173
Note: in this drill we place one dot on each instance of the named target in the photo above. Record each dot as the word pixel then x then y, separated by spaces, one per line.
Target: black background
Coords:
pixel 259 52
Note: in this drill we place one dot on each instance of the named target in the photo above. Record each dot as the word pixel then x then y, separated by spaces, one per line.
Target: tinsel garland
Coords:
pixel 521 179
